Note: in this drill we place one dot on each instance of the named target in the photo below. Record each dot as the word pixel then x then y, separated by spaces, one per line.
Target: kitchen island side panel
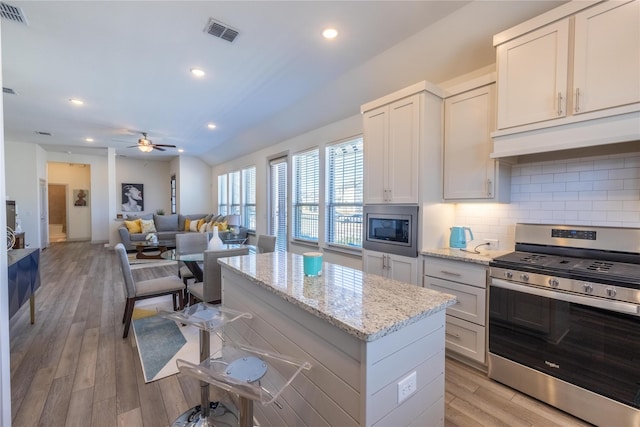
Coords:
pixel 327 394
pixel 342 365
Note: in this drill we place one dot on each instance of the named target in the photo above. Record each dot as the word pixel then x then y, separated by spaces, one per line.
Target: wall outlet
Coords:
pixel 493 244
pixel 407 386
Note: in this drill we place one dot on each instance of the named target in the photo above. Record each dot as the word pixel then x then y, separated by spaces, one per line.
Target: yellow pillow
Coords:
pixel 187 223
pixel 201 221
pixel 134 226
pixel 222 226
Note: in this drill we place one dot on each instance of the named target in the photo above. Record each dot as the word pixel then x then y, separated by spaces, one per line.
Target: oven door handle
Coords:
pixel 617 306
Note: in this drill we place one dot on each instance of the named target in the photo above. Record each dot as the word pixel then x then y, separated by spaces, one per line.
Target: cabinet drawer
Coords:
pixel 466 339
pixel 458 271
pixel 471 300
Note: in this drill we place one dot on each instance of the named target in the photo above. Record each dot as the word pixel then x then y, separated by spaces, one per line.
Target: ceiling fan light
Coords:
pixel 145 148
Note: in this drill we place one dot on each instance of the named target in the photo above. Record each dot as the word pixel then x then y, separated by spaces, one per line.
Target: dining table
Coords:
pixel 194 261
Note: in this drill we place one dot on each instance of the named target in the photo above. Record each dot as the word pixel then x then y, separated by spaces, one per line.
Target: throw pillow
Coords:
pixel 134 226
pixel 203 227
pixel 187 224
pixel 147 225
pixel 193 224
pixel 222 226
pixel 166 222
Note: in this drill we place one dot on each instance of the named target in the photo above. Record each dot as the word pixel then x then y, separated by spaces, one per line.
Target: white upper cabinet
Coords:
pixel 532 76
pixel 569 78
pixel 391 140
pixel 469 171
pixel 607 56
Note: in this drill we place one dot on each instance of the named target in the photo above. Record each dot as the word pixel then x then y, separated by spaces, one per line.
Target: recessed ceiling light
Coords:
pixel 330 33
pixel 76 101
pixel 197 72
pixel 211 126
pixel 89 139
pixel 180 150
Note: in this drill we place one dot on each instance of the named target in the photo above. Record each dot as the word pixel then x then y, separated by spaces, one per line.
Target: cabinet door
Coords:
pixel 403 269
pixel 532 76
pixel 607 56
pixel 469 172
pixel 376 137
pixel 374 263
pixel 403 156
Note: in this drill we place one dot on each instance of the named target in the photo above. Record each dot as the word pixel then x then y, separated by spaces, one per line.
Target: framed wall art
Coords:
pixel 81 198
pixel 132 200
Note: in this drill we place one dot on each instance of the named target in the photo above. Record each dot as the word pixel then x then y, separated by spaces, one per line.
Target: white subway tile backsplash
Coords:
pixel 614 184
pixel 623 195
pixel 580 186
pixel 554 168
pixel 598 190
pixel 609 163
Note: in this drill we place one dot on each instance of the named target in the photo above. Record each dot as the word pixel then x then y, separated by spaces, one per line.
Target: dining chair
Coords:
pixel 143 289
pixel 266 243
pixel 189 243
pixel 210 289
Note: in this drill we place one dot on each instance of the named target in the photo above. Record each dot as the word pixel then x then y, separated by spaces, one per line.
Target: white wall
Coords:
pixel 22 185
pixel 594 190
pixel 74 177
pixel 153 174
pixel 195 184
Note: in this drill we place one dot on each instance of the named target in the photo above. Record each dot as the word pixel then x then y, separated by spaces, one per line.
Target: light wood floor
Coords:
pixel 72 368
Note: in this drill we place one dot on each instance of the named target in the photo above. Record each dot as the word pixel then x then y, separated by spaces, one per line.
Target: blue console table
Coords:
pixel 24 279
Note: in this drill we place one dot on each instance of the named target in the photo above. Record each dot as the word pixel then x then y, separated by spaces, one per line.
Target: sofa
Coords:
pixel 136 228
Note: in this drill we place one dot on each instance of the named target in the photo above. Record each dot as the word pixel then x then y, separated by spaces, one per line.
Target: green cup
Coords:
pixel 312 262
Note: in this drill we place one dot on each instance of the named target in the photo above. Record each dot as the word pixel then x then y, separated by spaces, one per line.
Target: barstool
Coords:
pixel 253 374
pixel 208 319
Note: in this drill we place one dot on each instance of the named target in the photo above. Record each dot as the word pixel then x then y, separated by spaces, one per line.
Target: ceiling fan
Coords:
pixel 146 145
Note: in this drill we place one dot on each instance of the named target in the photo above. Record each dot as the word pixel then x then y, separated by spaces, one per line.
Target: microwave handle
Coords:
pixel 617 306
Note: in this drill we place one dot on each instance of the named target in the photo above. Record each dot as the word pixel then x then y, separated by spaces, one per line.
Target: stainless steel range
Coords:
pixel 564 320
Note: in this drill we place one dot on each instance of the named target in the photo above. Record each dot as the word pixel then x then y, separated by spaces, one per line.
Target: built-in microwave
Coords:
pixel 391 229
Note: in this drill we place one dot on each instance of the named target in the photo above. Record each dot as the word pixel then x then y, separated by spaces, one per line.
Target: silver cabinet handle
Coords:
pixel 559 103
pixel 384 260
pixel 450 334
pixel 489 187
pixel 388 262
pixel 450 273
pixel 577 108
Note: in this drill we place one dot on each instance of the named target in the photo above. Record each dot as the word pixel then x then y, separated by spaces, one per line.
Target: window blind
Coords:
pixel 249 198
pixel 278 202
pixel 306 180
pixel 234 193
pixel 222 195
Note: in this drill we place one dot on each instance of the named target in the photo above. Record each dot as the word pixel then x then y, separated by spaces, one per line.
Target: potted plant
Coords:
pixel 160 211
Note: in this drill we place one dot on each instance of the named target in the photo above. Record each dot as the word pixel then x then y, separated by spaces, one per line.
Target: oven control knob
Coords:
pixel 587 288
pixel 508 274
pixel 611 292
pixel 524 277
pixel 554 282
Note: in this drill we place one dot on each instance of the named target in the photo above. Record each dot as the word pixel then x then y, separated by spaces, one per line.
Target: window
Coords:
pixel 249 198
pixel 345 179
pixel 306 177
pixel 173 194
pixel 234 192
pixel 237 195
pixel 223 203
pixel 278 202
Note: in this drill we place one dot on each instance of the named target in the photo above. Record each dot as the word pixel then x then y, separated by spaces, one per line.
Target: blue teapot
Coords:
pixel 458 237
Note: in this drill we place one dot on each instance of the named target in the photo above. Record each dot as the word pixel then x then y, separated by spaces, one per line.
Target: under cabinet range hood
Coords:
pixel 576 134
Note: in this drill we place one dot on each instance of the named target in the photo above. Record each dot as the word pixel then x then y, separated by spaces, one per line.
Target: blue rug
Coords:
pixel 161 342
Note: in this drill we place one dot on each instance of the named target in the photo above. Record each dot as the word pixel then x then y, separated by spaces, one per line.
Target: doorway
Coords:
pixel 278 202
pixel 57 212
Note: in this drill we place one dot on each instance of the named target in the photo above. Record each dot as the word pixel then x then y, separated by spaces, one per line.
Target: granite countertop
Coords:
pixel 366 306
pixel 484 257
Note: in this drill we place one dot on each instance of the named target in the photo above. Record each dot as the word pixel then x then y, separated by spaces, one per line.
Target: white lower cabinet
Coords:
pixel 396 267
pixel 466 320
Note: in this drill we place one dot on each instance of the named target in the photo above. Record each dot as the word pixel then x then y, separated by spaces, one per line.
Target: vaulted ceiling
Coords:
pixel 130 62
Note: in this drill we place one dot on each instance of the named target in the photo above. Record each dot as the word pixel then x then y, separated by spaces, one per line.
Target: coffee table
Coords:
pixel 159 248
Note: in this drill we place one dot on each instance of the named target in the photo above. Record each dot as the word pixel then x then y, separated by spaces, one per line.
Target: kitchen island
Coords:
pixel 363 335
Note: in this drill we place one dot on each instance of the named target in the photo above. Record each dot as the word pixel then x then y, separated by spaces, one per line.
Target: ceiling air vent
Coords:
pixel 12 13
pixel 220 30
pixel 8 90
pixel 39 132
